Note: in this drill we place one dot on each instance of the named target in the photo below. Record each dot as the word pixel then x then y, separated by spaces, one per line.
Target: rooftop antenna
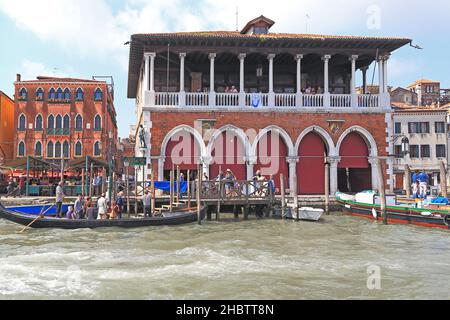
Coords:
pixel 307 18
pixel 237 18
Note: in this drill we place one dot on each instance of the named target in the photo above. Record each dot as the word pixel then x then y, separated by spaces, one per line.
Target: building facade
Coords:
pixel 64 118
pixel 6 128
pixel 427 131
pixel 255 100
pixel 402 95
pixel 428 91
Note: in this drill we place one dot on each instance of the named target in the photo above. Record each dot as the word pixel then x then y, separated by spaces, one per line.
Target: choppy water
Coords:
pixel 265 259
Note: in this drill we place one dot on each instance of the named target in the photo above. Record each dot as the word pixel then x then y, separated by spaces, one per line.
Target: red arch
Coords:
pixel 228 152
pixel 183 151
pixel 271 159
pixel 311 165
pixel 354 152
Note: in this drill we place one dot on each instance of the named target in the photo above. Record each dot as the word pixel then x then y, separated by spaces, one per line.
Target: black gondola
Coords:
pixel 174 218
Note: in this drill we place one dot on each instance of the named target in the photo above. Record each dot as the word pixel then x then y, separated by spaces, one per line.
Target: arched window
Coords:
pixel 39 94
pixel 58 122
pixel 51 122
pixel 38 149
pixel 78 149
pixel 66 94
pixel 66 122
pixel 38 125
pixel 23 95
pixel 79 95
pixel 66 150
pixel 22 122
pixel 79 123
pixel 98 122
pixel 52 94
pixel 58 150
pixel 59 94
pixel 97 150
pixel 50 149
pixel 21 149
pixel 98 95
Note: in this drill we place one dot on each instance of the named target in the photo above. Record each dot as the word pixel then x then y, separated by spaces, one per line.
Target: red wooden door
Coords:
pixel 311 165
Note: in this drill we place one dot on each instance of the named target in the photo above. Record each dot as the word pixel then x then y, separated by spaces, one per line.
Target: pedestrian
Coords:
pixel 59 198
pixel 423 184
pixel 71 214
pixel 229 182
pixel 114 211
pixel 415 184
pixel 79 207
pixel 119 202
pixel 146 203
pixel 102 208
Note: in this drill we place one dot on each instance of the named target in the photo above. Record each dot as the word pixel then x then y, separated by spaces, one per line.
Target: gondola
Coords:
pixel 168 219
pixel 396 213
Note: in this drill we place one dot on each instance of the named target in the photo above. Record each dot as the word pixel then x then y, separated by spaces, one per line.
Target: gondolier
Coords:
pixel 59 199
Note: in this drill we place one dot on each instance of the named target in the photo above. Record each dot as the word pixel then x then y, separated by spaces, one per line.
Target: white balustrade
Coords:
pixel 313 100
pixel 285 100
pixel 257 100
pixel 368 100
pixel 167 98
pixel 340 100
pixel 194 99
pixel 227 99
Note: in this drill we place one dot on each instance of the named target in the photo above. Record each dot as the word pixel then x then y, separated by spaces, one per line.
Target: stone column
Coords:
pixel 270 57
pixel 364 79
pixel 374 166
pixel 353 59
pixel 152 71
pixel 242 80
pixel 387 96
pixel 326 85
pixel 212 93
pixel 161 161
pixel 206 162
pixel 182 95
pixel 251 161
pixel 151 100
pixel 292 172
pixel 299 97
pixel 334 161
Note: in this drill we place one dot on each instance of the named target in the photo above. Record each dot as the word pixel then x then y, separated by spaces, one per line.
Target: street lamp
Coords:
pixel 405 145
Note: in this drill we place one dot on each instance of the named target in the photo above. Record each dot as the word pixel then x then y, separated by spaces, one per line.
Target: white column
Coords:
pixel 212 93
pixel 206 162
pixel 299 98
pixel 270 57
pixel 326 85
pixel 182 95
pixel 385 73
pixel 161 161
pixel 251 161
pixel 353 59
pixel 374 166
pixel 292 172
pixel 152 71
pixel 242 80
pixel 334 161
pixel 364 77
pixel 381 75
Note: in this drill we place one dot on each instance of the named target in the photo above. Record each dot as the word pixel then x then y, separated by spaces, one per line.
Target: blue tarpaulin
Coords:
pixel 440 200
pixel 165 186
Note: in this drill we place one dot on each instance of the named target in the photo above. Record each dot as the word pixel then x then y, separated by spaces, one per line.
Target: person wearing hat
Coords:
pixel 229 182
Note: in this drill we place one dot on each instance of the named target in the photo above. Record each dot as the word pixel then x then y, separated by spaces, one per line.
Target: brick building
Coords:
pixel 6 128
pixel 66 118
pixel 256 100
pixel 428 91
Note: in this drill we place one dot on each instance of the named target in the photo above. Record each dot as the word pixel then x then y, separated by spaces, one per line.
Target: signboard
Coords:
pixel 135 161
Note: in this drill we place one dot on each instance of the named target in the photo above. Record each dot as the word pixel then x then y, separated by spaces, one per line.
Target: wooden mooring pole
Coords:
pixel 283 197
pixel 135 192
pixel 127 186
pixel 199 192
pixel 171 190
pixel 219 196
pixel 189 189
pixel 153 192
pixel 327 188
pixel 408 181
pixel 295 195
pixel 382 190
pixel 178 184
pixel 443 173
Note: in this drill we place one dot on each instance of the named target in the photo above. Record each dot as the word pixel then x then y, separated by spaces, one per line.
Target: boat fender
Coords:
pixel 374 214
pixel 446 220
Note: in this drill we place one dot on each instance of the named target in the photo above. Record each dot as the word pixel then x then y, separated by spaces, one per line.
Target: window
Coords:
pixel 58 122
pixel 425 151
pixel 97 149
pixel 66 149
pixel 414 151
pixel 98 95
pixel 52 94
pixel 78 123
pixel 22 122
pixel 98 122
pixel 21 149
pixel 23 95
pixel 79 95
pixel 59 94
pixel 38 125
pixel 418 127
pixel 51 122
pixel 66 122
pixel 67 94
pixel 58 150
pixel 439 127
pixel 260 30
pixel 398 127
pixel 398 152
pixel 440 151
pixel 40 94
pixel 78 148
pixel 38 149
pixel 50 149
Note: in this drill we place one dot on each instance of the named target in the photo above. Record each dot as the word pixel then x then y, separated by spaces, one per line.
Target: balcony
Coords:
pixel 265 101
pixel 58 132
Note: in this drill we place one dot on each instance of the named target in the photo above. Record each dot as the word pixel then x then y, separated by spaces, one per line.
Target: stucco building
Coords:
pixel 428 91
pixel 7 128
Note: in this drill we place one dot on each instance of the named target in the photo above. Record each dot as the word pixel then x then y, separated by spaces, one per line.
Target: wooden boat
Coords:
pixel 174 218
pixel 399 213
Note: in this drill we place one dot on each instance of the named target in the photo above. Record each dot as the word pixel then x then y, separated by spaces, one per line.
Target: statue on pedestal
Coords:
pixel 142 137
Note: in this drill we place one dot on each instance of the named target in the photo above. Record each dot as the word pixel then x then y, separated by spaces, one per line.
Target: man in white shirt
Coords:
pixel 102 207
pixel 59 199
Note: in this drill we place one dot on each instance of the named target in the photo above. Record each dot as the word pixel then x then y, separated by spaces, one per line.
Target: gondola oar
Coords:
pixel 37 218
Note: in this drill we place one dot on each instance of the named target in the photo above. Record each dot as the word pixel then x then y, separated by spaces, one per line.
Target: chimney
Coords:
pixel 18 77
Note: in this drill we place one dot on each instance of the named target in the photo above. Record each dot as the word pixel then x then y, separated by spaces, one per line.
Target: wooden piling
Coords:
pixel 408 181
pixel 199 190
pixel 171 190
pixel 83 181
pixel 135 193
pixel 295 195
pixel 127 186
pixel 219 197
pixel 327 188
pixel 443 177
pixel 153 192
pixel 382 190
pixel 189 189
pixel 178 184
pixel 91 181
pixel 283 197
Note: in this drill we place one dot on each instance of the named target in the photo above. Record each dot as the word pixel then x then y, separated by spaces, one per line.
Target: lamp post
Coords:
pixel 110 159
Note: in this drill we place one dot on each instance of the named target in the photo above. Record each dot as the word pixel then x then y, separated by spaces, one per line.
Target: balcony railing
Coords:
pixel 58 131
pixel 267 100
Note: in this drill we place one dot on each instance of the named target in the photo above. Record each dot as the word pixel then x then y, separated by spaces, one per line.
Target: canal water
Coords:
pixel 339 258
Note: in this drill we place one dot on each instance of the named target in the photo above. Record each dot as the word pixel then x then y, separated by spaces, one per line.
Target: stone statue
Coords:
pixel 142 137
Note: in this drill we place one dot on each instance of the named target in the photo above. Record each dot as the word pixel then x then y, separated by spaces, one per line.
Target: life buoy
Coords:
pixel 446 220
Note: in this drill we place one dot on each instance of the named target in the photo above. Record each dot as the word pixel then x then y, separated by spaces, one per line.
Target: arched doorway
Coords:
pixel 228 152
pixel 271 153
pixel 311 165
pixel 183 151
pixel 354 170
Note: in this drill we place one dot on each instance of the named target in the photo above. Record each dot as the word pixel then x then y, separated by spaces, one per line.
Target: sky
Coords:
pixel 83 38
